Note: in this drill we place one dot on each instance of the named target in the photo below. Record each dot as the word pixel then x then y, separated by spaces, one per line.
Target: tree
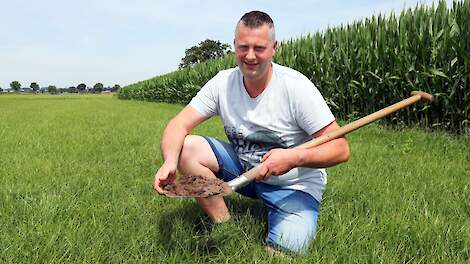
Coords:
pixel 205 50
pixel 52 89
pixel 34 86
pixel 116 87
pixel 98 88
pixel 15 85
pixel 72 89
pixel 81 87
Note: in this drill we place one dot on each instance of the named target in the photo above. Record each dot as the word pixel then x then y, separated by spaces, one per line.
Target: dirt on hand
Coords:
pixel 197 186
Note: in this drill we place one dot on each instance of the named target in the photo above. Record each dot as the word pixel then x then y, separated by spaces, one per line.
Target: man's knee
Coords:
pixel 190 146
pixel 293 227
pixel 196 150
pixel 293 240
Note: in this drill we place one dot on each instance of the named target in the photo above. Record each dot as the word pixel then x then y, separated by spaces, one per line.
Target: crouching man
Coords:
pixel 266 110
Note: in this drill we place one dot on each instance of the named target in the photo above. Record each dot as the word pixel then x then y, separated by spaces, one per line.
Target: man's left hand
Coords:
pixel 277 162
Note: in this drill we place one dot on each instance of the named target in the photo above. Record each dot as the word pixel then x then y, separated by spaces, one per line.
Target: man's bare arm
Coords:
pixel 280 161
pixel 176 130
pixel 172 142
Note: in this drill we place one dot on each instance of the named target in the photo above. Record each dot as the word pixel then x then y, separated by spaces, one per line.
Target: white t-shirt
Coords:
pixel 286 114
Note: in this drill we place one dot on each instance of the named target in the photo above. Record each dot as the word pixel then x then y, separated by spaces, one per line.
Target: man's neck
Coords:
pixel 256 87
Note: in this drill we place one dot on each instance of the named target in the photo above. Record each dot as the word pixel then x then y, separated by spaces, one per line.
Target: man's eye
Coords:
pixel 259 49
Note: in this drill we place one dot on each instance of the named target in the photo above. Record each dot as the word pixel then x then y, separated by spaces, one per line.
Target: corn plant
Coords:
pixel 364 66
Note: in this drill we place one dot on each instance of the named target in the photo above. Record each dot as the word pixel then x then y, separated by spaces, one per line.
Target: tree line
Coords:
pixel 204 51
pixel 81 88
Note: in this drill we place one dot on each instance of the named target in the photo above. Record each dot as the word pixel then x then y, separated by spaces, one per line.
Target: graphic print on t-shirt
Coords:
pixel 252 145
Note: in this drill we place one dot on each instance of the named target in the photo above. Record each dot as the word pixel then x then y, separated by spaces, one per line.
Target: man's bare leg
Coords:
pixel 197 158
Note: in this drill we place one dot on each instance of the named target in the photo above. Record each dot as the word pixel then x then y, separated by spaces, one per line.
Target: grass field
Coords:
pixel 76 178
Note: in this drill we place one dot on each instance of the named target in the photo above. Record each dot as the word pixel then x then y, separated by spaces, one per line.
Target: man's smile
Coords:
pixel 251 65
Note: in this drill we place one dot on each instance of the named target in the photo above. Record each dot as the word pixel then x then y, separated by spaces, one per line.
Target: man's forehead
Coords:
pixel 242 26
pixel 252 42
pixel 261 34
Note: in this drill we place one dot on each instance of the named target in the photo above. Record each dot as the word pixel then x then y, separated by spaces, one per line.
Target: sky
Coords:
pixel 65 43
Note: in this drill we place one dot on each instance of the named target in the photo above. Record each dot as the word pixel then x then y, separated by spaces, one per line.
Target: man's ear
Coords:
pixel 275 45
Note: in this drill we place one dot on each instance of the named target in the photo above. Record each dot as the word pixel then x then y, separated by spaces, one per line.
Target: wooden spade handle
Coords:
pixel 415 97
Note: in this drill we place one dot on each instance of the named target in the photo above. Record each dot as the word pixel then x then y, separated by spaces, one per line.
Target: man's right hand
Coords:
pixel 164 176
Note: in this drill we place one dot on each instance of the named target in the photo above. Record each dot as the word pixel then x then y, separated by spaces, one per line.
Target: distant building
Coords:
pixel 26 90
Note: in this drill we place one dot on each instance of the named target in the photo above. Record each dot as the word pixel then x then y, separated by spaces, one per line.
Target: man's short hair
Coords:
pixel 256 19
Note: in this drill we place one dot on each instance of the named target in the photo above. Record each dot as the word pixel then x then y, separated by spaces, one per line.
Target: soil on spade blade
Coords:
pixel 196 186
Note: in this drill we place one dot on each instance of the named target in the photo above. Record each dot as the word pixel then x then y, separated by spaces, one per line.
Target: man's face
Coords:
pixel 254 51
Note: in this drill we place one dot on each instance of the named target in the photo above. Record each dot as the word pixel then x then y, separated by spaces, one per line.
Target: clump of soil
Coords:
pixel 197 186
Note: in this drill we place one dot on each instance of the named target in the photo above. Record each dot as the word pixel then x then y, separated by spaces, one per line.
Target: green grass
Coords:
pixel 76 177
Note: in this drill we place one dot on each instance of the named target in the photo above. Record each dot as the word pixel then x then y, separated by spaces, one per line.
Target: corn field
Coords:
pixel 364 66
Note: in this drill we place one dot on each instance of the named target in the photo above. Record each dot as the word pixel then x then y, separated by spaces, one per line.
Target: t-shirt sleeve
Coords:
pixel 206 100
pixel 311 111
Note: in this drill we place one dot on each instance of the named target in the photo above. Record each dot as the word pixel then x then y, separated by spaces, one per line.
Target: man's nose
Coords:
pixel 251 54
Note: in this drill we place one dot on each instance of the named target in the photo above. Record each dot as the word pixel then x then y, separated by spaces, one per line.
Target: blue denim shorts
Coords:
pixel 292 214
